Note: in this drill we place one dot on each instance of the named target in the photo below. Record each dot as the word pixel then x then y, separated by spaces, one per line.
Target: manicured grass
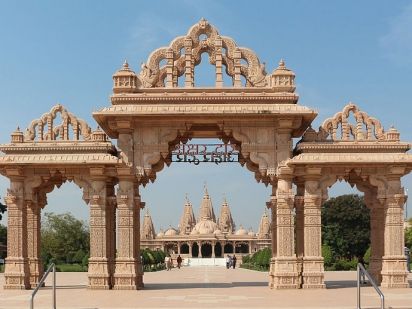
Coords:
pixel 71 268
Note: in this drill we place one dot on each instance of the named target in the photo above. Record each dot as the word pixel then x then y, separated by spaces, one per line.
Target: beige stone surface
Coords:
pixel 152 113
pixel 206 287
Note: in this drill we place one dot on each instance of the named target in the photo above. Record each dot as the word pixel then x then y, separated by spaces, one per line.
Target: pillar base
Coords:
pixel 394 273
pixel 128 275
pixel 375 269
pixel 16 274
pixel 313 274
pixel 283 273
pixel 36 272
pixel 98 274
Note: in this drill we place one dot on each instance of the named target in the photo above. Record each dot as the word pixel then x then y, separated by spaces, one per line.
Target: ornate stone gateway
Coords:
pixel 160 108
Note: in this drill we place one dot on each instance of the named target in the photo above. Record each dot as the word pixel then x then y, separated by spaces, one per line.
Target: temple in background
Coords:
pixel 206 236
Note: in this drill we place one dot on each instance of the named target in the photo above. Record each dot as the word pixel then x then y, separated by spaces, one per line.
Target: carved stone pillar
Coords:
pixel 111 229
pixel 394 273
pixel 99 269
pixel 218 62
pixel 17 271
pixel 272 205
pixel 200 250
pixel 284 275
pixel 377 223
pixel 213 250
pixel 128 274
pixel 313 268
pixel 33 242
pixel 299 202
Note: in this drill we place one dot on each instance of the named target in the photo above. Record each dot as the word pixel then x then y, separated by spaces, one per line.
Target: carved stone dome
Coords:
pixel 194 232
pixel 251 233
pixel 171 232
pixel 241 231
pixel 205 227
pixel 160 234
pixel 218 232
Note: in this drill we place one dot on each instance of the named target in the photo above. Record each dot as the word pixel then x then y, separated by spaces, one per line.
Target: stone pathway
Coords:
pixel 206 287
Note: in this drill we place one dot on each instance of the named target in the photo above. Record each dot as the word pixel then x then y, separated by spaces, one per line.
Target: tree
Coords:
pixel 345 226
pixel 408 235
pixel 65 239
pixel 3 209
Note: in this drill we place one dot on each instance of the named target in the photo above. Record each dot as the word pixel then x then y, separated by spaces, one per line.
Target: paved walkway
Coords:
pixel 206 287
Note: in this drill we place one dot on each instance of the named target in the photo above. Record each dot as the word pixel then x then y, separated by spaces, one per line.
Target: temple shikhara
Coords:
pixel 160 109
pixel 208 236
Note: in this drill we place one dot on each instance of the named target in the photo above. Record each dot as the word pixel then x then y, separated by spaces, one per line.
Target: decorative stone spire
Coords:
pixel 17 136
pixel 226 224
pixel 188 220
pixel 125 80
pixel 283 79
pixel 147 230
pixel 264 226
pixel 206 208
pixel 393 135
pixel 98 135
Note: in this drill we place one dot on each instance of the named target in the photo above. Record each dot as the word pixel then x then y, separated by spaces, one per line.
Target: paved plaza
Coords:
pixel 205 287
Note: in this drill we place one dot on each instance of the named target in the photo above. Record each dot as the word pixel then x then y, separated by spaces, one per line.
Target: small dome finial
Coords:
pixel 281 62
pixel 125 63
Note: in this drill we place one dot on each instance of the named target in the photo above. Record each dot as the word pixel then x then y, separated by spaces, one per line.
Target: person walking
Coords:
pixel 167 262
pixel 234 261
pixel 179 261
pixel 228 261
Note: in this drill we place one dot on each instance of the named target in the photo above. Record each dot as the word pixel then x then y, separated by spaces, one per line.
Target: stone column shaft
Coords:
pixel 394 273
pixel 377 223
pixel 33 242
pixel 16 273
pixel 313 268
pixel 284 272
pixel 99 269
pixel 299 201
pixel 128 275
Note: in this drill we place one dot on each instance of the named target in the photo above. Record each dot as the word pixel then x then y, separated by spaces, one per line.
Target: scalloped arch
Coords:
pixel 374 129
pixel 154 75
pixel 37 126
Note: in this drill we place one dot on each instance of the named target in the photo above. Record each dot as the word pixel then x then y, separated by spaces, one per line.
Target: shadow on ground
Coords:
pixel 177 286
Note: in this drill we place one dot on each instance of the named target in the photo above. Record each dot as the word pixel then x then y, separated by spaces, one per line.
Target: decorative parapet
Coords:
pixel 340 142
pixel 45 129
pixel 165 65
pixel 365 131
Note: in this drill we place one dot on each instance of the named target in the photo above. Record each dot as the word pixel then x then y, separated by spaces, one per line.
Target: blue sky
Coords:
pixel 67 51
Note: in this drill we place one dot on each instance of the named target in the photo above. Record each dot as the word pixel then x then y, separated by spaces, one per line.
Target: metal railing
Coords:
pixel 51 267
pixel 362 270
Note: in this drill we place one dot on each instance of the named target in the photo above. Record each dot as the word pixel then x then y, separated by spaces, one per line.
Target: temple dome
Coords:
pixel 160 234
pixel 194 232
pixel 251 233
pixel 218 232
pixel 171 232
pixel 241 231
pixel 205 227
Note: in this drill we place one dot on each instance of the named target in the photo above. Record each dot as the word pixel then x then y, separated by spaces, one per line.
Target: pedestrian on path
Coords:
pixel 228 261
pixel 234 261
pixel 179 261
pixel 167 262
